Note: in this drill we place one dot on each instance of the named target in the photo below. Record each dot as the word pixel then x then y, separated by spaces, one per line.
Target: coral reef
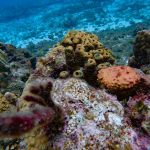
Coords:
pixel 120 40
pixel 79 54
pixel 8 104
pixel 141 50
pixel 90 117
pixel 21 122
pixel 52 64
pixel 85 46
pixel 141 47
pixel 93 117
pixel 15 68
pixel 61 109
pixel 10 144
pixel 36 110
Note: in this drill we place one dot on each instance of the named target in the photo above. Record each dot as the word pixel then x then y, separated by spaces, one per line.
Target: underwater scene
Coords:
pixel 75 75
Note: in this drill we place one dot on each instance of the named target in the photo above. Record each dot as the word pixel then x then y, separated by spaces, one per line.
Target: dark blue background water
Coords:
pixel 14 9
pixel 38 24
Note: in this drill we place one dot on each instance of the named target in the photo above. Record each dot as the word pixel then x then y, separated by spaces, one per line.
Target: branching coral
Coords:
pixel 16 124
pixel 89 117
pixel 36 110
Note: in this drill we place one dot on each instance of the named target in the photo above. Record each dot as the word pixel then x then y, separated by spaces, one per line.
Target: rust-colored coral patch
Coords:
pixel 119 78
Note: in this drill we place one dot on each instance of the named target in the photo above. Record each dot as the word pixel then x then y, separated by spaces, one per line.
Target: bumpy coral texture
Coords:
pixel 91 117
pixel 119 78
pixel 141 51
pixel 79 54
pixel 142 47
pixel 4 104
pixel 84 46
pixel 8 102
pixel 37 111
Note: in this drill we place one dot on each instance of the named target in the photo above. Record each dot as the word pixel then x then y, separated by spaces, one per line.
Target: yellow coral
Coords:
pixel 4 104
pixel 73 53
pixel 88 43
pixel 37 139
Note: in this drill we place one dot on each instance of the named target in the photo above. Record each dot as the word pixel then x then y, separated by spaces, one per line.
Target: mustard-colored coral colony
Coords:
pixel 79 55
pixel 77 98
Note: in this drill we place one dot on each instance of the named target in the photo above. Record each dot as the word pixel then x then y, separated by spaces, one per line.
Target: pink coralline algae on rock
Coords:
pixel 139 110
pixel 95 119
pixel 92 119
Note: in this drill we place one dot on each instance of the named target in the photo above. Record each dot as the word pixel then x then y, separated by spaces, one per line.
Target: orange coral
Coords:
pixel 119 78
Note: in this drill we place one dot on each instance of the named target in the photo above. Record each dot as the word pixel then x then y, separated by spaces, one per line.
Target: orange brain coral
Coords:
pixel 119 78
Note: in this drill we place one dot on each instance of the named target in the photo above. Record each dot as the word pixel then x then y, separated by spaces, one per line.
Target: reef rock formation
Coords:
pixel 141 51
pixel 61 109
pixel 139 110
pixel 91 118
pixel 15 68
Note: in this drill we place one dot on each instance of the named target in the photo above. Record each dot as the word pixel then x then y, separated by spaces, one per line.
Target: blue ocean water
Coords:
pixel 30 22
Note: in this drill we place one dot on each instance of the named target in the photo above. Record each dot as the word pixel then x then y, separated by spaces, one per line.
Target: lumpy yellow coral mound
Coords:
pixel 86 45
pixel 8 102
pixel 119 78
pixel 37 139
pixel 4 104
pixel 73 55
